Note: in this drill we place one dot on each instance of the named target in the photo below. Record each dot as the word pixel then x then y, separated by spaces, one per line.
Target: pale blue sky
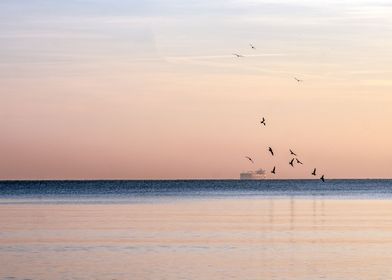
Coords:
pixel 55 32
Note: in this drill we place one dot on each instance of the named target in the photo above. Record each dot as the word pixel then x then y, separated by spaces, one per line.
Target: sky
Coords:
pixel 149 89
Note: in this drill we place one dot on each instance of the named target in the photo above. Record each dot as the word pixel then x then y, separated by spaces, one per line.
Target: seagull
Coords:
pixel 253 47
pixel 322 178
pixel 273 170
pixel 298 161
pixel 298 80
pixel 263 121
pixel 292 153
pixel 250 159
pixel 237 55
pixel 270 150
pixel 314 172
pixel 292 162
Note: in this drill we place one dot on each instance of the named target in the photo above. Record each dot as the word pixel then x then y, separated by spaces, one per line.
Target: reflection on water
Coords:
pixel 263 238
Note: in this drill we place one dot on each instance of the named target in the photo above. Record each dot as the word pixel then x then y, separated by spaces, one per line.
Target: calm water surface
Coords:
pixel 196 230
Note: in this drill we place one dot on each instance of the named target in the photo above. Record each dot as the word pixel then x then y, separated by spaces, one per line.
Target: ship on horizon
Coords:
pixel 259 174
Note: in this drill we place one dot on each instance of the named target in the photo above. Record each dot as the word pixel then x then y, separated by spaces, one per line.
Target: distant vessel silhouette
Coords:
pixel 259 174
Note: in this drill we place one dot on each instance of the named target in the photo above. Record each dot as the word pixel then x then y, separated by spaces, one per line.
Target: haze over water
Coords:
pixel 196 230
pixel 150 89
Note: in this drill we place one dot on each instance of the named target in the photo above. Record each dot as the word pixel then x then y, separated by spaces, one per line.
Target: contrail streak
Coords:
pixel 223 56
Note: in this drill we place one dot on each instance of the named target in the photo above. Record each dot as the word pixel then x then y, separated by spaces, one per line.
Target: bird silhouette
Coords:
pixel 298 80
pixel 238 55
pixel 322 178
pixel 314 172
pixel 273 170
pixel 292 153
pixel 298 161
pixel 253 47
pixel 263 121
pixel 270 150
pixel 292 162
pixel 250 159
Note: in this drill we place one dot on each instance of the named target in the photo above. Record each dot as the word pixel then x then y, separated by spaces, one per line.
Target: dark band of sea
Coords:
pixel 134 191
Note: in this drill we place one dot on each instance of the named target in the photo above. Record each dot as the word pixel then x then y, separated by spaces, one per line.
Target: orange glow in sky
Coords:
pixel 151 90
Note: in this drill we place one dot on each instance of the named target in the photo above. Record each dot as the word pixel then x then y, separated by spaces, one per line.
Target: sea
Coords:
pixel 131 191
pixel 196 229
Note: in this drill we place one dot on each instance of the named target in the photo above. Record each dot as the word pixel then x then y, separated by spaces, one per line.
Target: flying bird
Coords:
pixel 322 178
pixel 298 161
pixel 314 172
pixel 292 153
pixel 253 47
pixel 250 159
pixel 292 162
pixel 298 80
pixel 238 55
pixel 263 121
pixel 270 150
pixel 273 170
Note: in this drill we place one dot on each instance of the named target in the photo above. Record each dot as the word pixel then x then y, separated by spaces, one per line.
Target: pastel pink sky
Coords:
pixel 149 90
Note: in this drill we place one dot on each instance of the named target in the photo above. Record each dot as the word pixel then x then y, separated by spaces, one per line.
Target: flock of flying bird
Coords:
pixel 273 171
pixel 291 162
pixel 238 55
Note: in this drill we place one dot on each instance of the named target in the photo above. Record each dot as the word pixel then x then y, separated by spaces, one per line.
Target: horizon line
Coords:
pixel 190 179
